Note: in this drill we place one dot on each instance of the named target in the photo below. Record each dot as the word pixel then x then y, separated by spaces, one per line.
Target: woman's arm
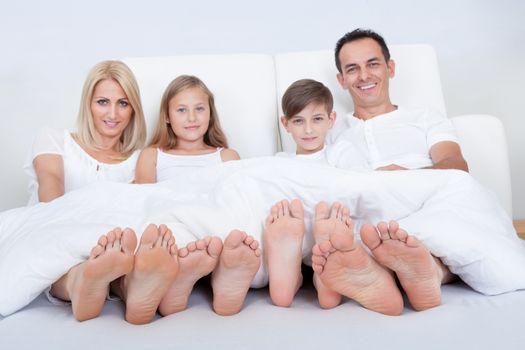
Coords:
pixel 49 169
pixel 146 170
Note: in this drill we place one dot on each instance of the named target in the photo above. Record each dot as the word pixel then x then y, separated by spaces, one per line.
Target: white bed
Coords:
pixel 466 319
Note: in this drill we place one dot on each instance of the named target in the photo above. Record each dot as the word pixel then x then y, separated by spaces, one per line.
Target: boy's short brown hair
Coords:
pixel 303 92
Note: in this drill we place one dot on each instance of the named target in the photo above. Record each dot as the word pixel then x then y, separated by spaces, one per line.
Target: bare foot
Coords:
pixel 154 271
pixel 418 271
pixel 87 284
pixel 324 225
pixel 238 263
pixel 283 241
pixel 196 260
pixel 345 267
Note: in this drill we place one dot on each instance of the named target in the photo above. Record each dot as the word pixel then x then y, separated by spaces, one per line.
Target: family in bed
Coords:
pixel 154 275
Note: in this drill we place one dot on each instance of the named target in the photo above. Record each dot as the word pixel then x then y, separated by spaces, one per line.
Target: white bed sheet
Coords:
pixel 465 320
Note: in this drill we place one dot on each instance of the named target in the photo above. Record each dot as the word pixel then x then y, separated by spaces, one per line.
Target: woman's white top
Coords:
pixel 80 169
pixel 170 166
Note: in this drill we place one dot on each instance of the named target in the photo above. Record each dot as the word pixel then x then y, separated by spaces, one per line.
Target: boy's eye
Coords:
pixel 318 119
pixel 297 121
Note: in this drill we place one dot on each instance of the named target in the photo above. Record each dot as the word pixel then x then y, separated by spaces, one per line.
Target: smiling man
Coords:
pixel 390 136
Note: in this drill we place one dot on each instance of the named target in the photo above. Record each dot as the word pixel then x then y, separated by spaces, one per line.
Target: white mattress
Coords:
pixel 465 320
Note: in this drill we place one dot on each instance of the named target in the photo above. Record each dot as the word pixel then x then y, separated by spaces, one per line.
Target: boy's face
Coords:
pixel 309 127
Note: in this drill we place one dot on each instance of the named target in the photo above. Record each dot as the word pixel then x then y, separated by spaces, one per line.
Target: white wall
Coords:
pixel 47 48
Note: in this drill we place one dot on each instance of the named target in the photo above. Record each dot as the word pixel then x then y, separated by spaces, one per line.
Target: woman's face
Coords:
pixel 111 110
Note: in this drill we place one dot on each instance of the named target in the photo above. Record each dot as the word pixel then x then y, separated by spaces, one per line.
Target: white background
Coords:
pixel 47 48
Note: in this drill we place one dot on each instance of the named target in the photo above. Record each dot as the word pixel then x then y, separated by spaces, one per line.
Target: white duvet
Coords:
pixel 459 220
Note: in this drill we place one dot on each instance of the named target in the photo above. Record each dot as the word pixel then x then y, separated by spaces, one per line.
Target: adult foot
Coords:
pixel 155 268
pixel 283 241
pixel 346 268
pixel 238 263
pixel 325 222
pixel 87 284
pixel 418 272
pixel 196 260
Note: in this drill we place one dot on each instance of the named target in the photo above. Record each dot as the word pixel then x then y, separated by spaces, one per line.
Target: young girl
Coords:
pixel 188 133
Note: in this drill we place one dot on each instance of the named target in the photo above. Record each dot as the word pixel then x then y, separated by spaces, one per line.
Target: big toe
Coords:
pixel 129 240
pixel 215 247
pixel 296 209
pixel 234 239
pixel 322 211
pixel 150 235
pixel 369 236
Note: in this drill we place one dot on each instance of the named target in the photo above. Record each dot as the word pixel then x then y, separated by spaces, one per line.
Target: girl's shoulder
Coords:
pixel 229 154
pixel 148 154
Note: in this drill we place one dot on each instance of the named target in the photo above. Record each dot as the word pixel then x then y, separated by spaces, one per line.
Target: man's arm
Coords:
pixel 447 155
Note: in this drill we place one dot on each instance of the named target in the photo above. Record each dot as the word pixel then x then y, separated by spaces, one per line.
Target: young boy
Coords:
pixel 307 105
pixel 308 116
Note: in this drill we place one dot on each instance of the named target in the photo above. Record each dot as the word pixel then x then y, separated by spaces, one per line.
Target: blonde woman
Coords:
pixel 111 130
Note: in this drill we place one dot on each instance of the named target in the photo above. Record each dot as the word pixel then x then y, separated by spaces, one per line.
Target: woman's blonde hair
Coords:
pixel 164 137
pixel 134 134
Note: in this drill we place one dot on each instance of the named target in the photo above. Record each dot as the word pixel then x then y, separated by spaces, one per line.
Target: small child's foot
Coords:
pixel 196 260
pixel 238 263
pixel 418 271
pixel 283 241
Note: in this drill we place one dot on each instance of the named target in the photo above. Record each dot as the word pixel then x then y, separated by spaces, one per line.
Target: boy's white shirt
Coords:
pixel 342 154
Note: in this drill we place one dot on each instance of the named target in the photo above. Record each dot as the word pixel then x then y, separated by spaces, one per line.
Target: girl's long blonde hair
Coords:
pixel 164 137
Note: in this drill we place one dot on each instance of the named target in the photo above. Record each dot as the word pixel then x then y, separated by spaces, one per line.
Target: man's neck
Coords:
pixel 368 112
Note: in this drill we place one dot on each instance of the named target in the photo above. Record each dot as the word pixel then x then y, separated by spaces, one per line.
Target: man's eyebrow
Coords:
pixel 350 65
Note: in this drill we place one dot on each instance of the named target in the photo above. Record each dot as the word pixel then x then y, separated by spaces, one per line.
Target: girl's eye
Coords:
pixel 181 110
pixel 200 109
pixel 123 104
pixel 102 101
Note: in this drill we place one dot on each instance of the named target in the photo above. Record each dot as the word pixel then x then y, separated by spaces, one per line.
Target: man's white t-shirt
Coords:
pixel 403 137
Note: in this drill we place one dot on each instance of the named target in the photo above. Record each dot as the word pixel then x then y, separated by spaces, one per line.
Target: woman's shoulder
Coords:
pixel 49 140
pixel 229 154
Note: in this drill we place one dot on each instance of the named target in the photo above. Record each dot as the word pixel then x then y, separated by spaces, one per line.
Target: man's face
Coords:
pixel 309 127
pixel 365 73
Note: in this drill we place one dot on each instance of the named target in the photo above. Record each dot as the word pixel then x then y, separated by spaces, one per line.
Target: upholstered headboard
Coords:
pixel 247 90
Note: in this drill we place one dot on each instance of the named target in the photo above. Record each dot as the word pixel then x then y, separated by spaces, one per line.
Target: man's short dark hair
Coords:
pixel 357 35
pixel 303 92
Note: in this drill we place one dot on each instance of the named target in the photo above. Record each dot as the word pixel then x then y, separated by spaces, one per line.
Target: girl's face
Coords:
pixel 110 109
pixel 189 114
